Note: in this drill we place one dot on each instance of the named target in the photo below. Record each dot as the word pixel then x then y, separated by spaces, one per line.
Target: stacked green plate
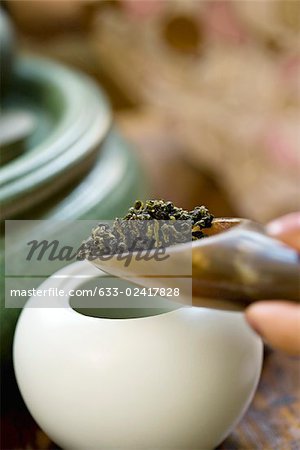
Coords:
pixel 72 118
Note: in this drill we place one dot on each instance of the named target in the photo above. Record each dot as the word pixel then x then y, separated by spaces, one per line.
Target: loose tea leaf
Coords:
pixel 153 224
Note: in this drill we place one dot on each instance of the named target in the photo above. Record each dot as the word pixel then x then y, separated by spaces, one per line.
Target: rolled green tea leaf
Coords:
pixel 152 224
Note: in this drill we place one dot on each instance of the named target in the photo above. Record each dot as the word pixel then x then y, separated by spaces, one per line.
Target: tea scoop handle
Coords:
pixel 244 264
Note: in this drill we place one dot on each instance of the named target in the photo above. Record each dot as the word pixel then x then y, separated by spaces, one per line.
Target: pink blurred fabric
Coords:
pixel 143 8
pixel 217 17
pixel 222 23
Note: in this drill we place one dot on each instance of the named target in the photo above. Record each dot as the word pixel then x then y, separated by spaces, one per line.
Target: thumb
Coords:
pixel 287 229
pixel 278 323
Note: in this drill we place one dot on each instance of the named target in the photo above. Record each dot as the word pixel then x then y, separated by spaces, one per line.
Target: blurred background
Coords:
pixel 197 102
pixel 207 91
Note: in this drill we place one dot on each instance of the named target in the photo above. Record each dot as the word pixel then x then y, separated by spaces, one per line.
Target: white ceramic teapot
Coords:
pixel 179 380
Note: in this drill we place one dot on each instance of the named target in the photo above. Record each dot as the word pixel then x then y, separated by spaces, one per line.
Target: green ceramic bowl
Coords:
pixel 73 118
pixel 106 191
pixel 73 166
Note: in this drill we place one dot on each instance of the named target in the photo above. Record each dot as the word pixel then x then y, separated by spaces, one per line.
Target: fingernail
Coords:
pixel 285 224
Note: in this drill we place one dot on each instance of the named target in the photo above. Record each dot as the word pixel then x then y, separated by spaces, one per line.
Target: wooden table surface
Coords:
pixel 273 419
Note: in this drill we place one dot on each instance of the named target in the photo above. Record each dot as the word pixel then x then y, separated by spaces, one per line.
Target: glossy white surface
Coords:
pixel 179 380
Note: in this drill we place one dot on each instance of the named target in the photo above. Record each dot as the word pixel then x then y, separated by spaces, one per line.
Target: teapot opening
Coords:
pixel 94 298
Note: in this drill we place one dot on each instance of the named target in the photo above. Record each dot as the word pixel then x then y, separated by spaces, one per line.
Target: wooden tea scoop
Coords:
pixel 237 264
